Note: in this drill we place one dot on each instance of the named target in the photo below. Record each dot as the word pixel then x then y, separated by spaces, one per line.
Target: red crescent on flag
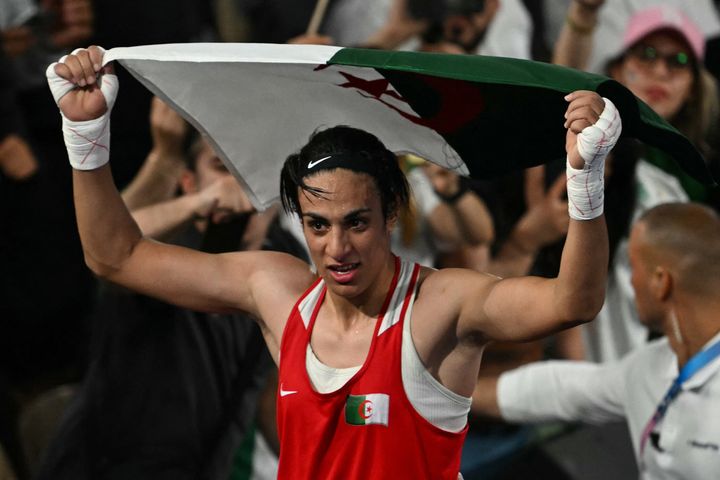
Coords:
pixel 460 102
pixel 361 409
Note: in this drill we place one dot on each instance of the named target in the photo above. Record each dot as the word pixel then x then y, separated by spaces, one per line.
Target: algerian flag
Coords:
pixel 370 409
pixel 481 116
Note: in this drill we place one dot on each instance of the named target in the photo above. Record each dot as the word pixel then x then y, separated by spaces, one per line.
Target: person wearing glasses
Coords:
pixel 661 62
pixel 372 350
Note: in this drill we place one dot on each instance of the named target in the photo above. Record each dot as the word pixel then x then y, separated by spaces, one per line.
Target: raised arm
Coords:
pixel 524 308
pixel 527 307
pixel 461 218
pixel 113 245
pixel 158 178
pixel 224 196
pixel 575 41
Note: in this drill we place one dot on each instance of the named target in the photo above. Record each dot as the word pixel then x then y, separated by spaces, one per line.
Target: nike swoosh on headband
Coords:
pixel 311 164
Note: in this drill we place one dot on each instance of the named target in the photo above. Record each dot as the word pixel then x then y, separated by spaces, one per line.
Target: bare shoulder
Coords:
pixel 450 281
pixel 448 348
pixel 447 295
pixel 276 282
pixel 277 273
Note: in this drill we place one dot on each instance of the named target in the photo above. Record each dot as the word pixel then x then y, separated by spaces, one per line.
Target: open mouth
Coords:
pixel 343 273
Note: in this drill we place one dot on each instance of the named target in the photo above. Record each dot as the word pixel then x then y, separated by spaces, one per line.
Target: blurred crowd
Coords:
pixel 97 382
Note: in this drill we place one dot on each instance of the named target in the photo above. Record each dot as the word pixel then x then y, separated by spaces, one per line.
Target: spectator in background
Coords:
pixel 170 392
pixel 44 296
pixel 601 24
pixel 17 162
pixel 512 28
pixel 31 34
pixel 444 215
pixel 675 252
pixel 661 63
pixel 650 59
pixel 355 256
pixel 47 294
pixel 509 28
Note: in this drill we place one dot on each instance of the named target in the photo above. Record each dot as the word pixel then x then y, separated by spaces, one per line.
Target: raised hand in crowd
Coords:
pixel 16 159
pixel 544 222
pixel 462 218
pixel 158 178
pixel 575 40
pixel 209 194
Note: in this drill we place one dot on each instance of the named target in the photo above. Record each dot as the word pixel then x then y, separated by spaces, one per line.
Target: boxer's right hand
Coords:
pixel 82 87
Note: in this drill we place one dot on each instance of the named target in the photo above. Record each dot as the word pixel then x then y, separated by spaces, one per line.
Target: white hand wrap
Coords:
pixel 586 186
pixel 88 142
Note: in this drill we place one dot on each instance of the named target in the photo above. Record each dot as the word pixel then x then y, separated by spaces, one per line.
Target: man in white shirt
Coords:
pixel 675 256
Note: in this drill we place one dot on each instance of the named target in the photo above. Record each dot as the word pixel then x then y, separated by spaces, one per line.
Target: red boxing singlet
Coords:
pixel 368 429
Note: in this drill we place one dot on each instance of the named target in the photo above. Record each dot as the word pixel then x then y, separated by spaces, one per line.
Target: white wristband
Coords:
pixel 586 186
pixel 87 142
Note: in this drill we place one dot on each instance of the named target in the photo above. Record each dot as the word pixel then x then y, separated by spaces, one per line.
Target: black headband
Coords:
pixel 347 160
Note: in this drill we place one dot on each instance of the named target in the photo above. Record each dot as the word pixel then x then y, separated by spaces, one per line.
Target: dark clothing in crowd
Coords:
pixel 170 393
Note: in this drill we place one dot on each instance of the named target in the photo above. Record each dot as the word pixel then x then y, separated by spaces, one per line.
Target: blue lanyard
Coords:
pixel 696 363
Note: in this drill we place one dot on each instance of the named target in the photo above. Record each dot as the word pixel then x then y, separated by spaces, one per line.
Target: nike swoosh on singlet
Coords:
pixel 286 392
pixel 311 164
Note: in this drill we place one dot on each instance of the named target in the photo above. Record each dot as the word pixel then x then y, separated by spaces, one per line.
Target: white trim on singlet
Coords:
pixel 394 310
pixel 434 402
pixel 308 303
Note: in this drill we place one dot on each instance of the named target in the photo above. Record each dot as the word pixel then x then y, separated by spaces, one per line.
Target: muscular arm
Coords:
pixel 526 308
pixel 529 307
pixel 115 249
pixel 264 284
pixel 460 311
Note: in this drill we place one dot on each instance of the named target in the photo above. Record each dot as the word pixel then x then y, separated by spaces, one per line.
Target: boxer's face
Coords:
pixel 346 231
